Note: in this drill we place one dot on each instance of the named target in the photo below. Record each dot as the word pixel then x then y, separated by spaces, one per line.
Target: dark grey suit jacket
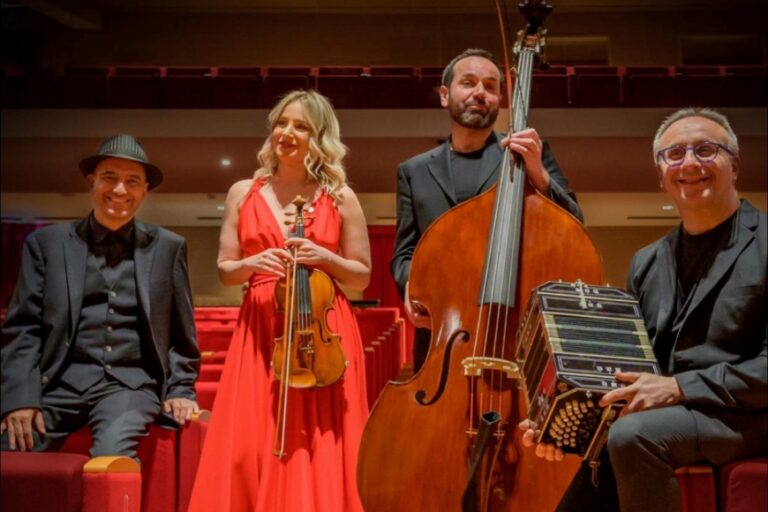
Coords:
pixel 43 314
pixel 720 356
pixel 425 191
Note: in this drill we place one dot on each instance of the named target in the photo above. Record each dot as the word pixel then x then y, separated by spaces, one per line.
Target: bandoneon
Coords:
pixel 571 341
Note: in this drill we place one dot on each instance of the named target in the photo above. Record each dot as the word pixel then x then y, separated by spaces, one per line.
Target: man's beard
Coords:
pixel 474 120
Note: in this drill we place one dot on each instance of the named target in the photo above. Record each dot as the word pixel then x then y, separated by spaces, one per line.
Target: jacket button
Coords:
pixel 44 379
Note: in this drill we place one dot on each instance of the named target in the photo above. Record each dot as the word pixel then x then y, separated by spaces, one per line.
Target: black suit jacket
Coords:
pixel 720 355
pixel 42 317
pixel 425 191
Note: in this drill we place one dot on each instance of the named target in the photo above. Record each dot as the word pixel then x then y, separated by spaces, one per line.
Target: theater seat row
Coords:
pixel 70 481
pixel 374 86
pixel 382 331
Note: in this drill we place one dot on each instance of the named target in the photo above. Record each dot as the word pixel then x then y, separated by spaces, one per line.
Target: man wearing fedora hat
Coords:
pixel 100 329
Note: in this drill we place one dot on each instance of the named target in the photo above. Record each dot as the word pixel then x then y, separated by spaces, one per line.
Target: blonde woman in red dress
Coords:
pixel 238 470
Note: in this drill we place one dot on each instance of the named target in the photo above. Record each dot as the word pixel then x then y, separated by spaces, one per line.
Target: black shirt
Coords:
pixel 113 246
pixel 694 255
pixel 465 171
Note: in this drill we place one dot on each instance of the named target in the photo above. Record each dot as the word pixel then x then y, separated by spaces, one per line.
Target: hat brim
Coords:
pixel 154 174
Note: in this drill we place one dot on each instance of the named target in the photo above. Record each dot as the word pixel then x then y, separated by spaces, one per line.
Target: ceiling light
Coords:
pixel 220 207
pixel 667 207
pixel 226 162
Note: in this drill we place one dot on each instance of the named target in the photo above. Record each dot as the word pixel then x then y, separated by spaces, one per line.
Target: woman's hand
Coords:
pixel 307 252
pixel 270 261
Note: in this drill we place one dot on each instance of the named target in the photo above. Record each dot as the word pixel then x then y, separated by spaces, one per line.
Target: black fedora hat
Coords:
pixel 127 147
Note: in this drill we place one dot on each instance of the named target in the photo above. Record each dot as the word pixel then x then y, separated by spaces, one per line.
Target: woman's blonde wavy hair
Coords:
pixel 326 151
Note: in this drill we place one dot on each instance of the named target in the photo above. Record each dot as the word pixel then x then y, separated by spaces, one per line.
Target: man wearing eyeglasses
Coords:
pixel 702 294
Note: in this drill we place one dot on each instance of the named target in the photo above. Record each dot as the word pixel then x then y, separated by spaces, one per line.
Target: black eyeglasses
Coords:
pixel 703 151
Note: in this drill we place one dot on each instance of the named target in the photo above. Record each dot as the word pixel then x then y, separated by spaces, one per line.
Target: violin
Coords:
pixel 308 354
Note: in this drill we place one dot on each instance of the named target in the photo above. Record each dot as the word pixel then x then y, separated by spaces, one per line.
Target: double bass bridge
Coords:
pixel 476 365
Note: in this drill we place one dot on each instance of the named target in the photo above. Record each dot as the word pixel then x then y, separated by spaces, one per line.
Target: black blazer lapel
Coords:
pixel 143 256
pixel 439 166
pixel 743 233
pixel 75 261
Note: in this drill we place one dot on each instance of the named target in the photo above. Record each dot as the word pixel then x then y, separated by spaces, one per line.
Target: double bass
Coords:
pixel 447 439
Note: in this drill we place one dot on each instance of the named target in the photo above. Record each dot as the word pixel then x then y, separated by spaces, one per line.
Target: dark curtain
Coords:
pixel 13 240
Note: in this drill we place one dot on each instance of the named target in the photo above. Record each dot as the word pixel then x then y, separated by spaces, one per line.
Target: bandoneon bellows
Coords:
pixel 572 340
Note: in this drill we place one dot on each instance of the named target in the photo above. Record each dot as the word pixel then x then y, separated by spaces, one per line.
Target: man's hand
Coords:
pixel 644 391
pixel 182 409
pixel 528 145
pixel 545 451
pixel 418 320
pixel 19 424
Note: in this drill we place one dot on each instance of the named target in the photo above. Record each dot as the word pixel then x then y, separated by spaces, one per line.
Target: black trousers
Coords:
pixel 637 472
pixel 118 416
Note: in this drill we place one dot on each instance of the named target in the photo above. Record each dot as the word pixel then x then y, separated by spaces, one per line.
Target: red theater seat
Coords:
pixel 430 79
pixel 157 453
pixel 383 335
pixel 135 87
pixel 191 440
pixel 550 88
pixel 206 393
pixel 210 357
pixel 216 312
pixel 210 372
pixel 346 87
pixel 746 86
pixel 697 489
pixel 280 80
pixel 67 482
pixel 743 486
pixel 701 86
pixel 650 86
pixel 394 87
pixel 236 87
pixel 212 337
pixel 82 87
pixel 186 88
pixel 596 87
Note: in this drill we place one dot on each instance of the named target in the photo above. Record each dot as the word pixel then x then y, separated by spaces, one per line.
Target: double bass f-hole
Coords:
pixel 308 354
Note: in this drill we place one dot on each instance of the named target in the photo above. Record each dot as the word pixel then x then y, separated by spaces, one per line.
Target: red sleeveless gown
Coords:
pixel 238 472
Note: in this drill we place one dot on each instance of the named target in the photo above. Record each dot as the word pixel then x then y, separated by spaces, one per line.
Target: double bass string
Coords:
pixel 494 311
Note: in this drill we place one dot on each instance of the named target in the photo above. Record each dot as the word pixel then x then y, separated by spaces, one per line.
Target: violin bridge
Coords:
pixel 475 366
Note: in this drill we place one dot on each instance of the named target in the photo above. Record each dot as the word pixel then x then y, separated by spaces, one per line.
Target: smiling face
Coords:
pixel 118 187
pixel 474 94
pixel 291 133
pixel 696 187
